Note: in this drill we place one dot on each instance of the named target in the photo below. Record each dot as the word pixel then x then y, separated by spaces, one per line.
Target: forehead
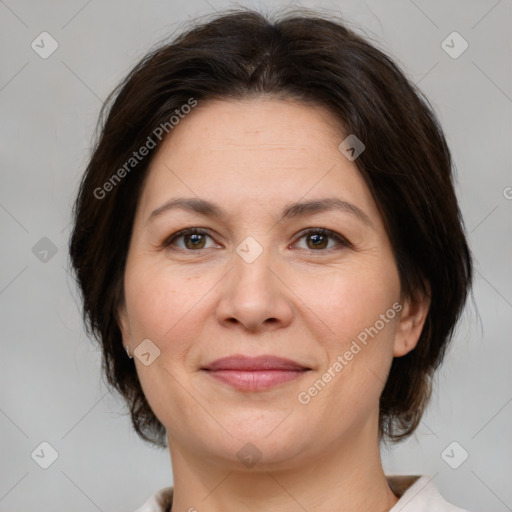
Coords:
pixel 259 152
pixel 259 124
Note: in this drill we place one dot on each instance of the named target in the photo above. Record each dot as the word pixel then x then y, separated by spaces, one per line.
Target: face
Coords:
pixel 288 257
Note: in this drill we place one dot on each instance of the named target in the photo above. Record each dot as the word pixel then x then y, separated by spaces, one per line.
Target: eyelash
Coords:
pixel 197 231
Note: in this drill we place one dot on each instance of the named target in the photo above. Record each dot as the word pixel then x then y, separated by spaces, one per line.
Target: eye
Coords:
pixel 318 239
pixel 189 239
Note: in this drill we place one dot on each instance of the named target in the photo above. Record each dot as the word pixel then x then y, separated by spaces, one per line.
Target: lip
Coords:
pixel 255 373
pixel 258 363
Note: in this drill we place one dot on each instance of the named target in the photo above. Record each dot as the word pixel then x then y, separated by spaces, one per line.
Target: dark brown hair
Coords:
pixel 308 58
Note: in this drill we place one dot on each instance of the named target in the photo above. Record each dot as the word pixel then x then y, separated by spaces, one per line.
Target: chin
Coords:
pixel 262 455
pixel 257 445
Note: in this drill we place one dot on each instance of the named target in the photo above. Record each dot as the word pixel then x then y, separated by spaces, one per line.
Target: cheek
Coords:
pixel 357 307
pixel 351 299
pixel 163 305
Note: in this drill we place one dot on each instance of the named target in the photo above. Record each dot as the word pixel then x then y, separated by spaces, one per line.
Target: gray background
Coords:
pixel 51 389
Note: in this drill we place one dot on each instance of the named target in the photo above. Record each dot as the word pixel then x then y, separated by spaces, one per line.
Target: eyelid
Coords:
pixel 183 232
pixel 327 232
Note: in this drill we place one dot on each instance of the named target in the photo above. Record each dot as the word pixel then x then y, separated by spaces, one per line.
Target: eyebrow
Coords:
pixel 292 210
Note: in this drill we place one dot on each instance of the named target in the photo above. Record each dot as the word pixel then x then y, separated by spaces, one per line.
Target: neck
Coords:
pixel 348 476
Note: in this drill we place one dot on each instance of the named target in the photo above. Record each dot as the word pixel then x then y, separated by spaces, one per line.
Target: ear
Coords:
pixel 122 321
pixel 410 325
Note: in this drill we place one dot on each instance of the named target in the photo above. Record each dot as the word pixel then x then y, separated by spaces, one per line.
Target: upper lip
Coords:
pixel 247 363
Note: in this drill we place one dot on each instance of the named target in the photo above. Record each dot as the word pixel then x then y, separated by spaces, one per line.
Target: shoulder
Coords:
pixel 161 501
pixel 419 494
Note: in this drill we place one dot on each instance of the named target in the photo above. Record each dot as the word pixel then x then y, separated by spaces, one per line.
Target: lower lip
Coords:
pixel 255 380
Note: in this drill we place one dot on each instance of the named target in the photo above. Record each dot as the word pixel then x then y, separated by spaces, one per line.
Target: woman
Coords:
pixel 268 227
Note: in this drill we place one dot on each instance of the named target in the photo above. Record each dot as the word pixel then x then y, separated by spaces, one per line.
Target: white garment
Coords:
pixel 421 496
pixel 417 494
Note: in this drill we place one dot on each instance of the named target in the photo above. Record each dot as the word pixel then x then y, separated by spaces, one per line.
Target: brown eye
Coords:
pixel 194 241
pixel 319 239
pixel 191 239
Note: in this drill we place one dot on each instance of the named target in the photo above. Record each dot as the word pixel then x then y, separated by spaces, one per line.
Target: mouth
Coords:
pixel 255 373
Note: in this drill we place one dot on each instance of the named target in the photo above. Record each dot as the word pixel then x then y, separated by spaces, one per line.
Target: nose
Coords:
pixel 254 296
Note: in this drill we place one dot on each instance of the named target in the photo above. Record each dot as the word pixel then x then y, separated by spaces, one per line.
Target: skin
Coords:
pixel 296 300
